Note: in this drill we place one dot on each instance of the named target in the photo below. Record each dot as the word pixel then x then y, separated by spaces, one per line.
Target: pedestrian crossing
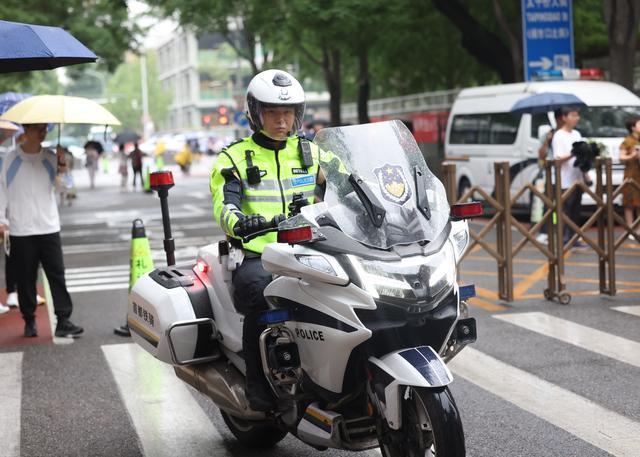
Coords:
pixel 116 277
pixel 169 417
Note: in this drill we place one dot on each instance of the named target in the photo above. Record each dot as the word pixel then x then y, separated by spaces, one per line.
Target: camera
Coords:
pixel 585 154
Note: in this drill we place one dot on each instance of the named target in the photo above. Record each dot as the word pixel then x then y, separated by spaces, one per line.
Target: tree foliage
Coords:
pixel 124 92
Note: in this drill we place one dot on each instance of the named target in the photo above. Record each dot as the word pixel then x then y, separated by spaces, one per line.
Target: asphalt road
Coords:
pixel 542 379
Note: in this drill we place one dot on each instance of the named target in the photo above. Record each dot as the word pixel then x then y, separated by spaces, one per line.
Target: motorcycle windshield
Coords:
pixel 396 200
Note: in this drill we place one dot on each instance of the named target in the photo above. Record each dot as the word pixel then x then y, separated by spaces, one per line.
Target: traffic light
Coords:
pixel 206 120
pixel 223 115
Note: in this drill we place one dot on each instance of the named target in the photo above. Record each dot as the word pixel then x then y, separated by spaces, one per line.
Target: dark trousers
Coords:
pixel 137 172
pixel 10 277
pixel 27 252
pixel 249 281
pixel 571 208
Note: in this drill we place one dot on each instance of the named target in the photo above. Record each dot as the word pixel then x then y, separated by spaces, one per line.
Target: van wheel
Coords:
pixel 463 186
pixel 257 435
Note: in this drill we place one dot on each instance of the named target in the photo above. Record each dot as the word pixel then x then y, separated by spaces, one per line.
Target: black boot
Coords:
pixel 259 393
pixel 30 329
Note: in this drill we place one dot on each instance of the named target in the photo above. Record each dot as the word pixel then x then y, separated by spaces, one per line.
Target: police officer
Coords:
pixel 253 183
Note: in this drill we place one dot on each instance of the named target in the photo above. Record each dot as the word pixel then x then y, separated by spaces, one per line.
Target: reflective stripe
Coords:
pixel 13 169
pixel 264 184
pixel 50 170
pixel 225 223
pixel 263 198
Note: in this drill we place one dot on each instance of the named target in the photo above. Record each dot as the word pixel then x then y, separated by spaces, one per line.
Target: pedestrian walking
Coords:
pixel 28 208
pixel 66 186
pixel 630 157
pixel 123 168
pixel 562 145
pixel 136 164
pixel 92 156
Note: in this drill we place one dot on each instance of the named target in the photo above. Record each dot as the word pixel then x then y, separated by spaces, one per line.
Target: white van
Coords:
pixel 481 130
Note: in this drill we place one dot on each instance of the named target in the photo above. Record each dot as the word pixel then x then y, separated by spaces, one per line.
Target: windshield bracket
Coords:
pixel 374 208
pixel 421 193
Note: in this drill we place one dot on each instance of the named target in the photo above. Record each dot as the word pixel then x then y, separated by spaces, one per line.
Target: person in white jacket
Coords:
pixel 28 191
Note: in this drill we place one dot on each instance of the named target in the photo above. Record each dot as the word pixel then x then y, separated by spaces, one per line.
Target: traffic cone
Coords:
pixel 141 262
pixel 146 182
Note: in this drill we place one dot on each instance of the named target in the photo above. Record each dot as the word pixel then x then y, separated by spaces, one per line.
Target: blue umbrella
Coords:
pixel 25 47
pixel 8 99
pixel 545 102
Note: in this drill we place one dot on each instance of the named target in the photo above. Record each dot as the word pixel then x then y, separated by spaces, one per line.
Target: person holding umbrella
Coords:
pixel 28 196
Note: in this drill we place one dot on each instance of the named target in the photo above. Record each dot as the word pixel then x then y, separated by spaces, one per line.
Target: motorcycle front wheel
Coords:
pixel 258 435
pixel 431 426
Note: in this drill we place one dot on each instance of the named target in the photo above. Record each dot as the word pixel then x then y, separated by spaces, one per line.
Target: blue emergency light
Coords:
pixel 468 291
pixel 275 316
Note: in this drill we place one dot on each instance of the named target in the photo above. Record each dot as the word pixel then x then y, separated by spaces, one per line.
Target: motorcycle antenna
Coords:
pixel 161 182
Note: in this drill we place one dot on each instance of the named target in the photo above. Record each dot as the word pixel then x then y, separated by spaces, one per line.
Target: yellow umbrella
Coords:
pixel 59 109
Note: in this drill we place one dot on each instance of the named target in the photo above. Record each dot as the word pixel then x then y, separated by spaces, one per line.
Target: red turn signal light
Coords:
pixel 161 179
pixel 461 211
pixel 295 235
pixel 202 267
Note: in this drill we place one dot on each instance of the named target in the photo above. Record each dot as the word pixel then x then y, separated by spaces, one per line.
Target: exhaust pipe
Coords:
pixel 223 383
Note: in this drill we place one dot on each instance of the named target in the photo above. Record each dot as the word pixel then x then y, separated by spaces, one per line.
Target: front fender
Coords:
pixel 419 367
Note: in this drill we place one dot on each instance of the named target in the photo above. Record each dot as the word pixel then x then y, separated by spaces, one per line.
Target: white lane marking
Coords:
pixel 168 420
pixel 156 244
pixel 10 399
pixel 593 340
pixel 98 274
pixel 98 269
pixel 95 281
pixel 97 288
pixel 635 310
pixel 608 430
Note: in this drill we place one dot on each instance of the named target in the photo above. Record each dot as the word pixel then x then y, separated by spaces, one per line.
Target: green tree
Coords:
pixel 124 92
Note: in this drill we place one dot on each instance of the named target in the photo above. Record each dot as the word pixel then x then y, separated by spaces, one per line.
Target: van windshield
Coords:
pixel 605 121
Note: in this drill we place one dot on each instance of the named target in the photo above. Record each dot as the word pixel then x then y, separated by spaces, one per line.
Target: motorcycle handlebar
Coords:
pixel 272 226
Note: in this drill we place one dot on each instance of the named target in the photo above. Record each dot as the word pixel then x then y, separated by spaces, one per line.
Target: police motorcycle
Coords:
pixel 364 309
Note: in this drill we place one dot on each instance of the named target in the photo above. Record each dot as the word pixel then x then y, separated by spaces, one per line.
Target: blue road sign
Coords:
pixel 547 30
pixel 241 119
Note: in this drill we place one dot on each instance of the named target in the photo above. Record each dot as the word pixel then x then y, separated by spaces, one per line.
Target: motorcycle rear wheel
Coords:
pixel 257 435
pixel 431 427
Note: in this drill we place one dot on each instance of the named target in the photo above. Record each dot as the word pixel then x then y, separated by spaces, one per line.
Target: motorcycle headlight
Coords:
pixel 317 262
pixel 416 277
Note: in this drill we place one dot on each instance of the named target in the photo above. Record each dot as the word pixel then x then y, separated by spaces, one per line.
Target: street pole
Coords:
pixel 145 95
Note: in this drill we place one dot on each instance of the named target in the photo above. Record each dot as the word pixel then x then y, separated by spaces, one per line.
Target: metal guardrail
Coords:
pixel 554 217
pixel 405 104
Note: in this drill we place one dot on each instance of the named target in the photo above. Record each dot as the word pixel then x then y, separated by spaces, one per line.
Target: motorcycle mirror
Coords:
pixel 295 235
pixel 460 211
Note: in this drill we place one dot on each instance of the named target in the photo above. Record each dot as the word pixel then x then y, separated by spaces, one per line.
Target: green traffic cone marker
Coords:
pixel 141 263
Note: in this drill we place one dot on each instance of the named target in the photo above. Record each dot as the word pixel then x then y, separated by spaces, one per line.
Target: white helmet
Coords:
pixel 274 88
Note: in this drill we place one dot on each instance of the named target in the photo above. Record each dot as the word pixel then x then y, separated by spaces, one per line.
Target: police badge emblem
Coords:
pixel 393 183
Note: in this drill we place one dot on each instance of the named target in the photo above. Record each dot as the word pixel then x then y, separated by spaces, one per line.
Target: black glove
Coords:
pixel 250 224
pixel 277 219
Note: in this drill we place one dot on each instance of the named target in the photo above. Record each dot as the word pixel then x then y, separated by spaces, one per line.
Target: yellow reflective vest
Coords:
pixel 282 174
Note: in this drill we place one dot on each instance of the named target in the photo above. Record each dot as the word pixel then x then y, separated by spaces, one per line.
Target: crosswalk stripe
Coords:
pixel 96 281
pixel 579 416
pixel 10 399
pixel 166 417
pixel 98 287
pixel 635 310
pixel 593 340
pixel 101 268
pixel 98 274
